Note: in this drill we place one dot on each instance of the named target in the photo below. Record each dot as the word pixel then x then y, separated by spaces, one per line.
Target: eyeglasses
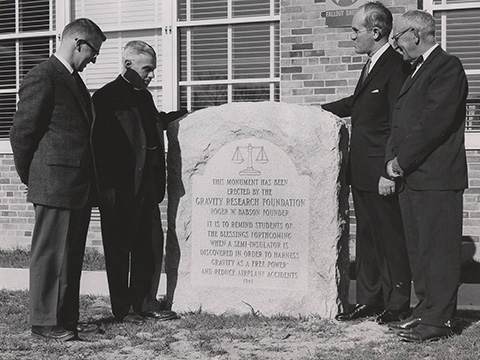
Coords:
pixel 95 51
pixel 397 36
pixel 356 31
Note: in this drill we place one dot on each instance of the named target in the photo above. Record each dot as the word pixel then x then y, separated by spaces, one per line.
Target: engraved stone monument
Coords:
pixel 257 210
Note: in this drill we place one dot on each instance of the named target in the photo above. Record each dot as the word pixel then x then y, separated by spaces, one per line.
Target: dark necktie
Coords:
pixel 366 68
pixel 418 61
pixel 84 92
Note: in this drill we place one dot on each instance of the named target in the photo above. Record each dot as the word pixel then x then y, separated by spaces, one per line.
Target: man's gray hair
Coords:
pixel 137 47
pixel 377 15
pixel 422 21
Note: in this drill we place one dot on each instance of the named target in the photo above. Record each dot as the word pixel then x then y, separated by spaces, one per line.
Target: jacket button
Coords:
pixel 140 169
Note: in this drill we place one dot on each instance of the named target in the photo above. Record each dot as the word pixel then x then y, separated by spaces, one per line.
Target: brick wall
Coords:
pixel 18 217
pixel 319 64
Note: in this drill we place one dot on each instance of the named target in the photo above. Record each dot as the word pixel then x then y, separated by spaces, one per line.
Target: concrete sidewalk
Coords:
pixel 95 283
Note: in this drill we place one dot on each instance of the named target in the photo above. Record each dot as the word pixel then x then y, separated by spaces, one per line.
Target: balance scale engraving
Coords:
pixel 249 170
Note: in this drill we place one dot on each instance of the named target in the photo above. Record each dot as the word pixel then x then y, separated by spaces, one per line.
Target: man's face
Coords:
pixel 362 37
pixel 87 51
pixel 144 65
pixel 404 40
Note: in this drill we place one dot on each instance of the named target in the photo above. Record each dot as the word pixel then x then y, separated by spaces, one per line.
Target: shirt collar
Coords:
pixel 429 51
pixel 377 55
pixel 64 62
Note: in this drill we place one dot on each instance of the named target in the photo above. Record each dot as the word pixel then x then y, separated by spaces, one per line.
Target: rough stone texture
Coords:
pixel 315 141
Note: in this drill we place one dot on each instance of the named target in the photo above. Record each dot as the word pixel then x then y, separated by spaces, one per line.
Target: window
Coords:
pixel 23 44
pixel 457 24
pixel 229 51
pixel 122 21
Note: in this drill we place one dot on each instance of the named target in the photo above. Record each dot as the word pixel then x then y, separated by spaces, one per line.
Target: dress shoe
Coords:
pixel 409 323
pixel 360 311
pixel 162 315
pixel 389 316
pixel 52 333
pixel 425 333
pixel 87 327
pixel 133 318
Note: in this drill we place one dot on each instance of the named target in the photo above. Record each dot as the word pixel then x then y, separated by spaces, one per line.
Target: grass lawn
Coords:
pixel 200 335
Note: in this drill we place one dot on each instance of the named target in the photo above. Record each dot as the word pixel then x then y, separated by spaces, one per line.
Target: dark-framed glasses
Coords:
pixel 95 51
pixel 400 34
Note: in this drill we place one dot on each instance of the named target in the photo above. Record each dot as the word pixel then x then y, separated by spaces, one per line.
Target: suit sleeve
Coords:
pixel 394 87
pixel 31 120
pixel 167 118
pixel 437 119
pixel 341 108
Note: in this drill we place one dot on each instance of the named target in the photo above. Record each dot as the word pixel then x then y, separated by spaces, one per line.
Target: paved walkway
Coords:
pixel 95 282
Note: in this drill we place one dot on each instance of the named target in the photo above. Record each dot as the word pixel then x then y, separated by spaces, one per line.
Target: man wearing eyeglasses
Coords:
pixel 426 151
pixel 50 139
pixel 382 271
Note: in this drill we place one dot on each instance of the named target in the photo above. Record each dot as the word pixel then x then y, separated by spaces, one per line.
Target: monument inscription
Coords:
pixel 250 219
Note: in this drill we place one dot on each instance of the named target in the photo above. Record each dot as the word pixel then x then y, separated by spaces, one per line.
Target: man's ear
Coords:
pixel 376 34
pixel 128 64
pixel 417 36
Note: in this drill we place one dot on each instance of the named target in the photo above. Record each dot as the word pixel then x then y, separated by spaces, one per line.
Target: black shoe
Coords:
pixel 87 327
pixel 162 315
pixel 389 316
pixel 360 311
pixel 426 333
pixel 133 318
pixel 409 323
pixel 52 333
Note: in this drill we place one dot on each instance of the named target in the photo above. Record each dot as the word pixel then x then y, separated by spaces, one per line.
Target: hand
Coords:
pixel 393 169
pixel 107 198
pixel 386 186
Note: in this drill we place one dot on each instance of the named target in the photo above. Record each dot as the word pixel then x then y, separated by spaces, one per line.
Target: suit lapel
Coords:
pixel 375 70
pixel 411 80
pixel 72 84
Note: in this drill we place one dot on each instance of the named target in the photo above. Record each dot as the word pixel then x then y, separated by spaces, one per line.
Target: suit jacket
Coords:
pixel 120 142
pixel 428 125
pixel 50 137
pixel 370 108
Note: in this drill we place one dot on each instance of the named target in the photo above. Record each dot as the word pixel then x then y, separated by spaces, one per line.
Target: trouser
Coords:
pixel 433 228
pixel 56 259
pixel 382 268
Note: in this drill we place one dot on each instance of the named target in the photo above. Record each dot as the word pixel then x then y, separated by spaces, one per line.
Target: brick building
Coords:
pixel 211 52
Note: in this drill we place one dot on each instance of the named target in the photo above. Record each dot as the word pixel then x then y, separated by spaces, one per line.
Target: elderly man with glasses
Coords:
pixel 426 151
pixel 382 270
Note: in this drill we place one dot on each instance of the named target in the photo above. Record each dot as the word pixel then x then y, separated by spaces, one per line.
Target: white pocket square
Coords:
pixel 375 91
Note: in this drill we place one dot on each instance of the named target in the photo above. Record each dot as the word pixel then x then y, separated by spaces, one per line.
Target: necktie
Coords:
pixel 84 91
pixel 416 64
pixel 366 69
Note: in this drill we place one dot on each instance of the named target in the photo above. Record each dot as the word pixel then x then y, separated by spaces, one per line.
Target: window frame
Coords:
pixel 472 138
pixel 230 21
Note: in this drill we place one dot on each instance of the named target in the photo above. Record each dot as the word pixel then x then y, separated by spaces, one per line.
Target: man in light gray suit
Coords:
pixel 50 139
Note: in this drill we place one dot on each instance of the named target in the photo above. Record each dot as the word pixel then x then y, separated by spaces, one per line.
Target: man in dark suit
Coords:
pixel 130 155
pixel 426 150
pixel 50 139
pixel 382 270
